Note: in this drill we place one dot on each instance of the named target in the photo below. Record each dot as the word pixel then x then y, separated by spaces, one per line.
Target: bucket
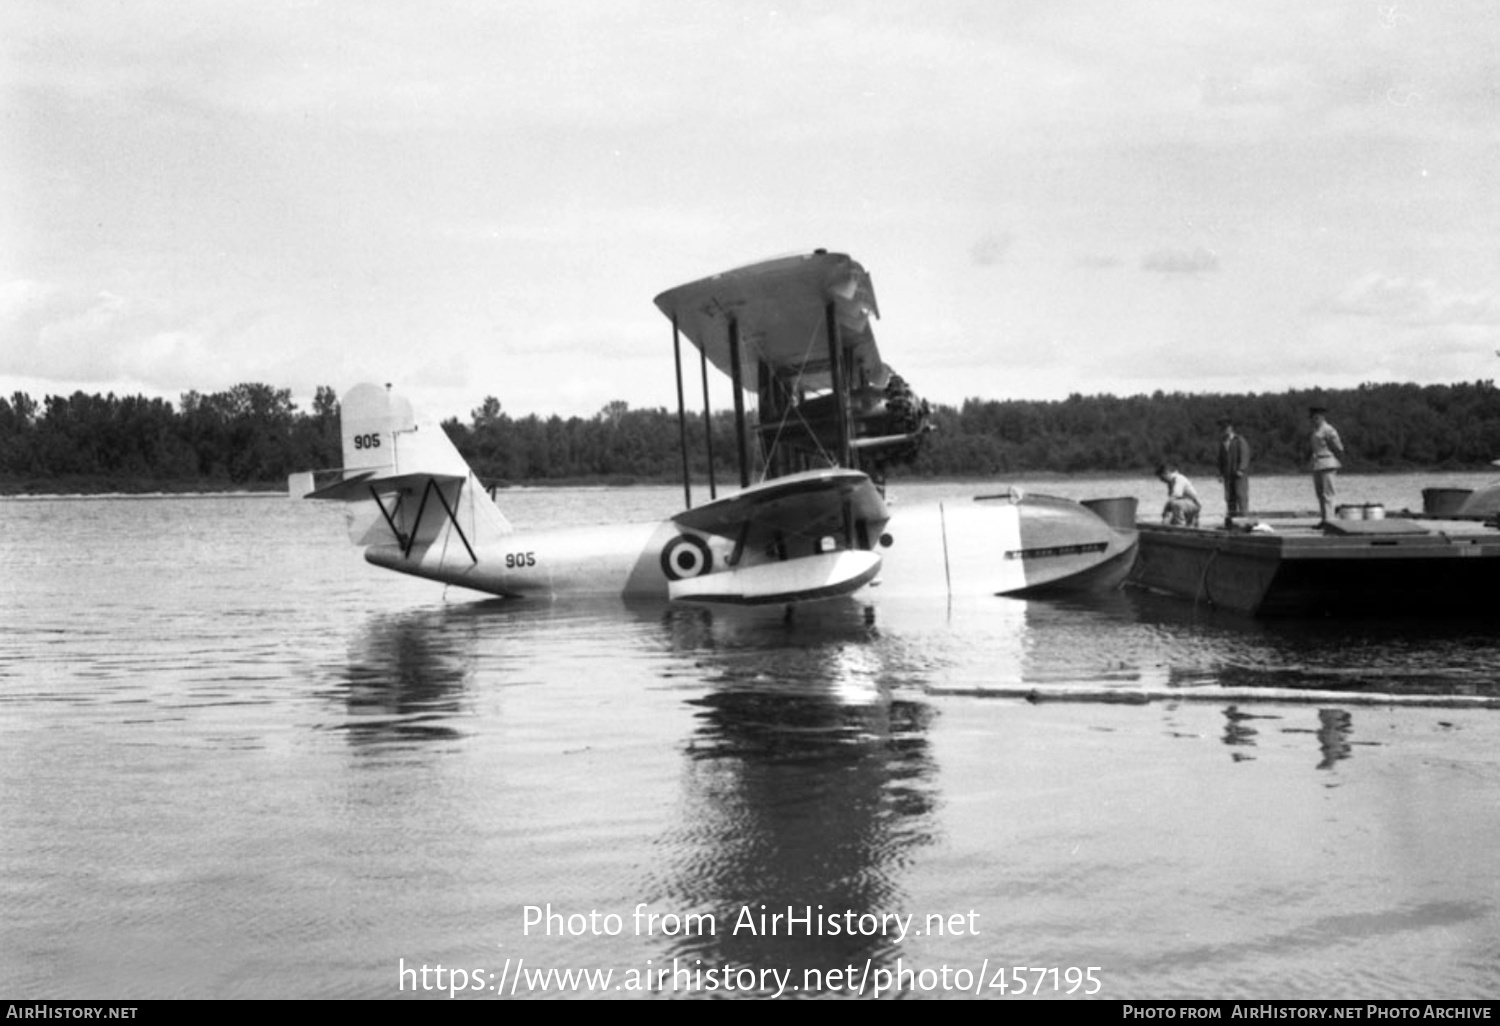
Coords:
pixel 1117 513
pixel 1349 512
pixel 1374 511
pixel 1443 502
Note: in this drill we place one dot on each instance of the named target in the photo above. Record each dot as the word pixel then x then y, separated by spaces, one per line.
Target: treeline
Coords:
pixel 617 445
pixel 250 436
pixel 253 436
pixel 1384 428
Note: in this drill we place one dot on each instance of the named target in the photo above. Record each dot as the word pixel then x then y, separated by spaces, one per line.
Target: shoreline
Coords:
pixel 36 489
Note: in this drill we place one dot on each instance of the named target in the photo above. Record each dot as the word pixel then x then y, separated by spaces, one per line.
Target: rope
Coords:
pixel 1202 591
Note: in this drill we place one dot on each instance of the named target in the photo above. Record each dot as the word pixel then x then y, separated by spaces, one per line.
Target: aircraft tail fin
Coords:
pixel 403 482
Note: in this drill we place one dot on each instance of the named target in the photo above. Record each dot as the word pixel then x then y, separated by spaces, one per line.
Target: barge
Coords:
pixel 1289 565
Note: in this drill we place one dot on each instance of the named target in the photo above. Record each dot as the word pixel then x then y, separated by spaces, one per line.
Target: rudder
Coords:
pixel 381 432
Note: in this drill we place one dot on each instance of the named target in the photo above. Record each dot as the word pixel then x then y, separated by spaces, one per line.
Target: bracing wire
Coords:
pixel 790 410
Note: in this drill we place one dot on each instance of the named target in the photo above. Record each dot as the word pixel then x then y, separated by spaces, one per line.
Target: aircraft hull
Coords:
pixel 952 549
pixel 1002 546
pixel 619 559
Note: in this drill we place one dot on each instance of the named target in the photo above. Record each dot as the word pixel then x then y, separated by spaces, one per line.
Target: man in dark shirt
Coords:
pixel 1234 471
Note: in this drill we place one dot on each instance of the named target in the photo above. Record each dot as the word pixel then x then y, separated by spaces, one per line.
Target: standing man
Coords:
pixel 1234 471
pixel 1327 448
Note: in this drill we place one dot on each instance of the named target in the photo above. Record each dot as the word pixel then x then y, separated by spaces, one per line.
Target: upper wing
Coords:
pixel 781 309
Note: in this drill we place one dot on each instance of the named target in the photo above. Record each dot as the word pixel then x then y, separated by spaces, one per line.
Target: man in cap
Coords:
pixel 1234 470
pixel 1327 448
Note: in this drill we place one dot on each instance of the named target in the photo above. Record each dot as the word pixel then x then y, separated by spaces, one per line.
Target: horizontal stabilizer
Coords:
pixel 360 485
pixel 318 484
pixel 301 484
pixel 793 580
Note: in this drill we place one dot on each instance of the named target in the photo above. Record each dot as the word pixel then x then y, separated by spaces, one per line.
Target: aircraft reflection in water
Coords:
pixel 771 840
pixel 807 771
pixel 832 418
pixel 406 676
pixel 807 774
pixel 809 789
pixel 785 764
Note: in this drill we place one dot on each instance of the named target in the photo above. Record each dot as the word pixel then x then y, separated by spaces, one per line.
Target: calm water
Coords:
pixel 236 761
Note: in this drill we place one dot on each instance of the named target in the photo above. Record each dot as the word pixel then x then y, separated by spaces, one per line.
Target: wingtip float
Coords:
pixel 795 333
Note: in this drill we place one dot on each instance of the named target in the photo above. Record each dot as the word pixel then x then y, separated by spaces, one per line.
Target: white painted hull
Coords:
pixel 953 549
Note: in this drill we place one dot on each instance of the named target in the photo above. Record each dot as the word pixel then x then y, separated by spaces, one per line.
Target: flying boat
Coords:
pixel 810 519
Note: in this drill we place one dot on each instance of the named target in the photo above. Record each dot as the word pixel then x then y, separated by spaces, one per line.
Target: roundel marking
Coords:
pixel 686 556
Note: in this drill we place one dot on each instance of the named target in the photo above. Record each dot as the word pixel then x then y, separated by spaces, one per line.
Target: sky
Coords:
pixel 473 199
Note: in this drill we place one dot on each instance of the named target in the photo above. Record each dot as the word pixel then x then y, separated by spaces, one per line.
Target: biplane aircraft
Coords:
pixel 810 518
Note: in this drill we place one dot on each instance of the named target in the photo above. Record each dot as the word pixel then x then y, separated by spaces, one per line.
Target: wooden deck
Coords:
pixel 1289 565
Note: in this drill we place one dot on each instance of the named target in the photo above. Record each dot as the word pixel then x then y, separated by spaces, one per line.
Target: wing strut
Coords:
pixel 687 481
pixel 390 518
pixel 739 400
pixel 708 425
pixel 840 392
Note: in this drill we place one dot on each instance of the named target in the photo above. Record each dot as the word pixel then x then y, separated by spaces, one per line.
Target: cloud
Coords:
pixel 1198 260
pixel 51 332
pixel 222 193
pixel 1269 87
pixel 47 330
pixel 1413 302
pixel 991 249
